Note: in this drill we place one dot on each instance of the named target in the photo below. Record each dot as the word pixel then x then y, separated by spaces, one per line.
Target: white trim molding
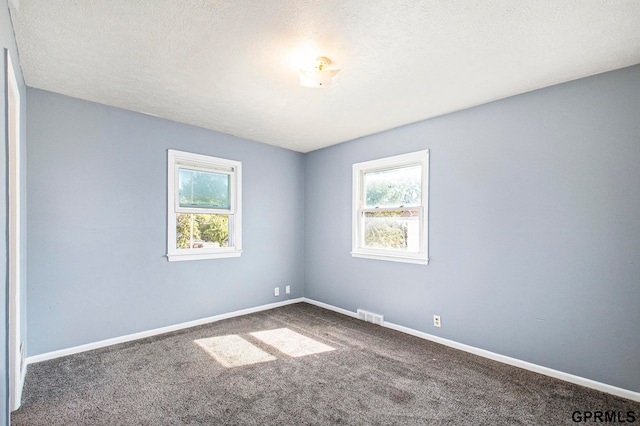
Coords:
pixel 177 160
pixel 561 375
pixel 571 378
pixel 330 307
pixel 154 332
pixel 410 214
pixel 14 231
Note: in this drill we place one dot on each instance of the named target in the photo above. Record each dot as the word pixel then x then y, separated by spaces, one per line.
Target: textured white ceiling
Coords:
pixel 232 66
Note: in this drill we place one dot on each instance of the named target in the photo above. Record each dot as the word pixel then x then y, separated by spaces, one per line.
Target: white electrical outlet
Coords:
pixel 276 291
pixel 287 289
pixel 436 320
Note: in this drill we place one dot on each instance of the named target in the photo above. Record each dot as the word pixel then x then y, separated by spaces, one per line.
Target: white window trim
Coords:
pixel 359 170
pixel 175 158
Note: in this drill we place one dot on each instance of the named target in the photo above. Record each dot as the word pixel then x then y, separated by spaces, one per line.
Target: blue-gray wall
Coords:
pixel 97 195
pixel 7 41
pixel 534 229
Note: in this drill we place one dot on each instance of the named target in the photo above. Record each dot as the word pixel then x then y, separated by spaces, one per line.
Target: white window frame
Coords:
pixel 207 163
pixel 399 161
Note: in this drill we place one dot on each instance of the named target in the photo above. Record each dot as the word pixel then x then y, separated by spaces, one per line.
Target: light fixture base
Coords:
pixel 323 74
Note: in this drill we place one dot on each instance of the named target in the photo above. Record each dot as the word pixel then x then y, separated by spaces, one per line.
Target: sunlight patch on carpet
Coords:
pixel 291 343
pixel 233 351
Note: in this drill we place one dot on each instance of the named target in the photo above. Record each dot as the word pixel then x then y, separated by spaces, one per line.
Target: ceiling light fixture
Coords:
pixel 323 74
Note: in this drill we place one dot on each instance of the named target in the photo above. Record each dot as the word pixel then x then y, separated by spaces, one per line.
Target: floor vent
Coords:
pixel 370 317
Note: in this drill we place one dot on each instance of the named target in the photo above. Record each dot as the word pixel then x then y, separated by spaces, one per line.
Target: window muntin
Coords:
pixel 390 208
pixel 204 217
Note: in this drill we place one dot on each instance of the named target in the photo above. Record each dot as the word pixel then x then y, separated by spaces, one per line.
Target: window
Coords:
pixel 390 214
pixel 204 207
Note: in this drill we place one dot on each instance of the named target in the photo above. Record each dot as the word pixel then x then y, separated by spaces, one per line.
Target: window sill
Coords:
pixel 391 258
pixel 202 256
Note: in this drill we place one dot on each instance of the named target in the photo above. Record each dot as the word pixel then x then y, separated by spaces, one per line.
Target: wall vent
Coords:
pixel 370 317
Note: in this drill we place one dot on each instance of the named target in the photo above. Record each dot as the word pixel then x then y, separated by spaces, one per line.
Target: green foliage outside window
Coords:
pixel 385 232
pixel 198 230
pixel 204 189
pixel 393 188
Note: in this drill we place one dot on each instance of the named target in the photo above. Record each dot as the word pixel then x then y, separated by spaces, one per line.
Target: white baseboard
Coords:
pixel 602 387
pixel 135 336
pixel 571 378
pixel 330 307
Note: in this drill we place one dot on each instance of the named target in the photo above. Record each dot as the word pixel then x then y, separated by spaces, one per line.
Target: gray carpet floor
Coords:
pixel 372 376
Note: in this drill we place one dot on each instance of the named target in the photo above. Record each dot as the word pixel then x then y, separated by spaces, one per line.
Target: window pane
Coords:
pixel 393 188
pixel 207 190
pixel 202 230
pixel 392 230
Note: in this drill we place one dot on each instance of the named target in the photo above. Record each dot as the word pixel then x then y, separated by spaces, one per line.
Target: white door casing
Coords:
pixel 13 144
